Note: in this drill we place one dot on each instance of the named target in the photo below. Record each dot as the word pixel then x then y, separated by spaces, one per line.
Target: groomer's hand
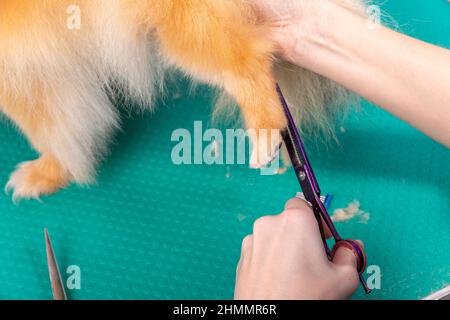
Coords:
pixel 341 40
pixel 285 259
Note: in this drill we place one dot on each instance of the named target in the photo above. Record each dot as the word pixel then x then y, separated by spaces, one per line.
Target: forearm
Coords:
pixel 402 75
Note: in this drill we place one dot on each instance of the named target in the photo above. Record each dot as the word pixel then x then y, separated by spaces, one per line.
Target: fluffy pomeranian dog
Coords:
pixel 55 81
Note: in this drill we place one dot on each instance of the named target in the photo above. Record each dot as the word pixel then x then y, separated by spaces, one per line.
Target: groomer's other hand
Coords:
pixel 289 22
pixel 340 40
pixel 285 259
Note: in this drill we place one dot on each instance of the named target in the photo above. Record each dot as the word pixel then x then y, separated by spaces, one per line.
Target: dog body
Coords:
pixel 56 74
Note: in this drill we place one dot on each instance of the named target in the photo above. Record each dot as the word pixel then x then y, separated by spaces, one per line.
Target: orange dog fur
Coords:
pixel 53 79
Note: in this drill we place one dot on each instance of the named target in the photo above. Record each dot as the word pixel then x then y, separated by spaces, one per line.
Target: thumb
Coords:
pixel 346 261
pixel 344 255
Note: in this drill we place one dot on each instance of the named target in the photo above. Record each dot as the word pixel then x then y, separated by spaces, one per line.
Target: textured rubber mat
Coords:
pixel 151 229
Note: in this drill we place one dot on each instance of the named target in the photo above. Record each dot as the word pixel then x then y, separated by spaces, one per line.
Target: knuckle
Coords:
pixel 296 203
pixel 293 216
pixel 246 242
pixel 262 224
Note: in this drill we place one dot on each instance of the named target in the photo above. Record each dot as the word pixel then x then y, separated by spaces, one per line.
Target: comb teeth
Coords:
pixel 326 200
pixel 300 195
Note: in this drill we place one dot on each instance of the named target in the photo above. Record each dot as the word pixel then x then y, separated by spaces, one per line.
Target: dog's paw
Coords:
pixel 266 148
pixel 33 179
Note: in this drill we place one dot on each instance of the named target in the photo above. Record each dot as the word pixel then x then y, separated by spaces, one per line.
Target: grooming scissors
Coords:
pixel 311 191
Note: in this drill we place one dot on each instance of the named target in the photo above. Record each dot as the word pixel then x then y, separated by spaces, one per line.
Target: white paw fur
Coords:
pixel 18 186
pixel 266 148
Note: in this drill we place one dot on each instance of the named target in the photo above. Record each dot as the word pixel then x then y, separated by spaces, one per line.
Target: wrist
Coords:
pixel 304 26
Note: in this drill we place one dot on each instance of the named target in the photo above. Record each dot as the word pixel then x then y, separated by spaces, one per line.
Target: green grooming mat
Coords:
pixel 152 230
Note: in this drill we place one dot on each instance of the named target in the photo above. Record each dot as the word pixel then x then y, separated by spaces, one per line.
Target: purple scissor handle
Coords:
pixel 311 191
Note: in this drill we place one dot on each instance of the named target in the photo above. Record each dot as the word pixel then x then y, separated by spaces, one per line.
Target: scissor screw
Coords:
pixel 302 175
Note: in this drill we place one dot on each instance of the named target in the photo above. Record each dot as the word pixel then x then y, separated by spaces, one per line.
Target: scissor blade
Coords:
pixel 59 293
pixel 297 153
